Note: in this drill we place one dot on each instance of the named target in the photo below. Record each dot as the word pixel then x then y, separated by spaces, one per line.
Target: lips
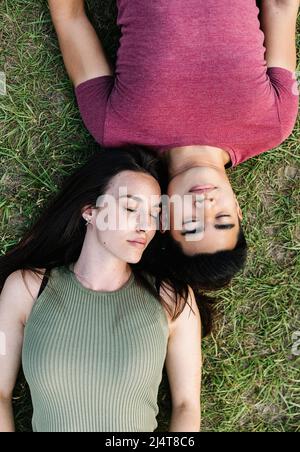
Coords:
pixel 138 242
pixel 202 188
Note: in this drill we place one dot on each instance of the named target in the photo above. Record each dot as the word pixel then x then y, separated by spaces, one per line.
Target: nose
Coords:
pixel 205 209
pixel 209 201
pixel 143 224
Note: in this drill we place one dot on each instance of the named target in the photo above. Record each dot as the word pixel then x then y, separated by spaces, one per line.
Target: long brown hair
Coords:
pixel 57 237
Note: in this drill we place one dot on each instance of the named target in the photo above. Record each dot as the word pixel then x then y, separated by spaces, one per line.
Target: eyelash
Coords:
pixel 220 216
pixel 134 210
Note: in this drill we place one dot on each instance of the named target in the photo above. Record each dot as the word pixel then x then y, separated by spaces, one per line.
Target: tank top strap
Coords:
pixel 44 281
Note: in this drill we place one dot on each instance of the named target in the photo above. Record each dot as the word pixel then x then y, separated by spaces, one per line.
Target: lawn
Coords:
pixel 251 378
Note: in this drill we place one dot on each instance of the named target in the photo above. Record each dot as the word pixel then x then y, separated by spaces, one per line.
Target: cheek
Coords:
pixel 227 200
pixel 110 238
pixel 172 216
pixel 177 186
pixel 126 221
pixel 116 243
pixel 105 238
pixel 172 187
pixel 179 210
pixel 152 234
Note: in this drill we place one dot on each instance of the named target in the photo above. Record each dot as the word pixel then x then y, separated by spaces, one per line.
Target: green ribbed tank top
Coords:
pixel 94 360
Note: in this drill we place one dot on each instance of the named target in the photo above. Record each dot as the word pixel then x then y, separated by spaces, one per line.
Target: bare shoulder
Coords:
pixel 167 294
pixel 21 290
pixel 169 297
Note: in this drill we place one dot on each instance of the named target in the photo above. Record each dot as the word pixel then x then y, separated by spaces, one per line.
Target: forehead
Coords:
pixel 134 183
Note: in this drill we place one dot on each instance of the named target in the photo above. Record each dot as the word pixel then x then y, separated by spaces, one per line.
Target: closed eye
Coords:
pixel 217 226
pixel 224 226
pixel 156 217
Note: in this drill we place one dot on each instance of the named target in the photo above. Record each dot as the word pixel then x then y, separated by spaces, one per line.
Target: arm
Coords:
pixel 14 302
pixel 183 365
pixel 278 22
pixel 81 48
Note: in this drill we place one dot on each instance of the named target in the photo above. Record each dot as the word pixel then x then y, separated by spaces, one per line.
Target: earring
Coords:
pixel 88 221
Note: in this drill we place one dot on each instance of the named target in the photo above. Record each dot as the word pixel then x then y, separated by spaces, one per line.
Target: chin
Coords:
pixel 133 260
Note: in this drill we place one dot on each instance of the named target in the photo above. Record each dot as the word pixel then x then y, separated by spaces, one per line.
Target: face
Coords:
pixel 209 219
pixel 130 210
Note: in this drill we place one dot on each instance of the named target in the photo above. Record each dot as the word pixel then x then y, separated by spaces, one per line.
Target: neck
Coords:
pixel 97 269
pixel 183 158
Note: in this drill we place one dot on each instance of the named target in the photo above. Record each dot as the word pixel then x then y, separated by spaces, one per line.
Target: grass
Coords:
pixel 251 379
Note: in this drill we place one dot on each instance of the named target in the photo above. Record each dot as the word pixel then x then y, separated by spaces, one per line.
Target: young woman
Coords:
pixel 208 84
pixel 93 322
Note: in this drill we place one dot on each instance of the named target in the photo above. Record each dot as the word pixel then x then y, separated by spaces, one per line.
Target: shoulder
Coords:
pixel 20 291
pixel 190 307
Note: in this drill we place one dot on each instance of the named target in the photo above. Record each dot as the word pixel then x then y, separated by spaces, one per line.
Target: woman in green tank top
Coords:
pixel 94 337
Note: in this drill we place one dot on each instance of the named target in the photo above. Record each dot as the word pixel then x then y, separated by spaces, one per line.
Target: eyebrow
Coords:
pixel 136 198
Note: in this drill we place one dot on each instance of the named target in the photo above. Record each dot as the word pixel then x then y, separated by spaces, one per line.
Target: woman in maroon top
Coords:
pixel 208 84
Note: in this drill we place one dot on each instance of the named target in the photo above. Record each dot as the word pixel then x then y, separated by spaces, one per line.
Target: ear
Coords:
pixel 238 208
pixel 87 213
